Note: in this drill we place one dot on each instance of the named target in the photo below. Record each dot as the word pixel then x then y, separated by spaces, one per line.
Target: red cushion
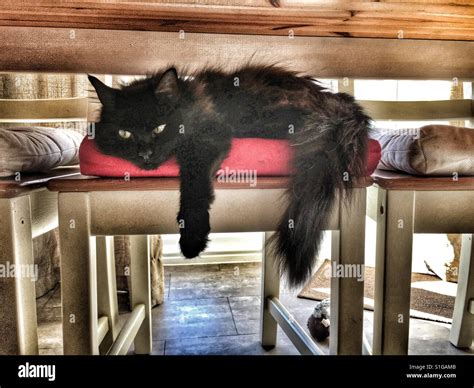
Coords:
pixel 268 157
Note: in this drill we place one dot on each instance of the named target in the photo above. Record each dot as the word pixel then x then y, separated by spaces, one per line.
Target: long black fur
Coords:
pixel 204 111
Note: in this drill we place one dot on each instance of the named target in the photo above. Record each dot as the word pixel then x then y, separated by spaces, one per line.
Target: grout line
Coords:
pixel 206 337
pixel 169 289
pixel 232 315
pixel 215 297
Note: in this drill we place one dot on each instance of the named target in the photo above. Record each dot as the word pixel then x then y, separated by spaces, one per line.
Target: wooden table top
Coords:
pixel 441 19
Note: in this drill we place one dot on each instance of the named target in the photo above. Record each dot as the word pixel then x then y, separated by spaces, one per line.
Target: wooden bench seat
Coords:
pixel 399 181
pixel 403 205
pixel 27 210
pixel 83 183
pixel 102 207
pixel 10 187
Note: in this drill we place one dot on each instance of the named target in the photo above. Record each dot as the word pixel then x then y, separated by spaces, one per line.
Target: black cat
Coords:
pixel 194 117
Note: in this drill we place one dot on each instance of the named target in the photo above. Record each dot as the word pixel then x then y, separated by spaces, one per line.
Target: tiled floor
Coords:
pixel 215 309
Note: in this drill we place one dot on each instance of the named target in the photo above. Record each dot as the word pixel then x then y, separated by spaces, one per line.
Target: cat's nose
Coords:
pixel 145 154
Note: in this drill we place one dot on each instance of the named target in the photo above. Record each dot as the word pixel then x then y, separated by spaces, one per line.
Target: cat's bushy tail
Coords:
pixel 329 156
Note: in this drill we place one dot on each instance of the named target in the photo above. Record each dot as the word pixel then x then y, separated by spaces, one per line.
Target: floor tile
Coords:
pixel 193 318
pixel 228 345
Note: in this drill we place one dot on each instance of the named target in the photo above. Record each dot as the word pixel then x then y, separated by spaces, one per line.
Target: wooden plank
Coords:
pixel 347 290
pixel 140 290
pixel 78 275
pixel 378 202
pixel 44 211
pixel 27 183
pixel 417 110
pixel 392 332
pixel 444 211
pixel 86 183
pixel 110 52
pixel 462 333
pixel 129 331
pixel 352 18
pixel 397 181
pixel 18 323
pixel 102 329
pixel 107 304
pixel 302 341
pixel 270 288
pixel 61 108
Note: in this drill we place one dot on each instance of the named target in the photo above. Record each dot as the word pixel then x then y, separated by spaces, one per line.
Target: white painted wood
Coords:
pixel 270 288
pixel 378 212
pixel 121 212
pixel 462 330
pixel 18 322
pixel 44 211
pixel 347 292
pixel 141 290
pixel 78 275
pixel 392 319
pixel 444 211
pixel 129 331
pixel 102 329
pixel 107 302
pixel 302 341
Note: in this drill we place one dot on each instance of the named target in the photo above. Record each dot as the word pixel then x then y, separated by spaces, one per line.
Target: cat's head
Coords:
pixel 139 122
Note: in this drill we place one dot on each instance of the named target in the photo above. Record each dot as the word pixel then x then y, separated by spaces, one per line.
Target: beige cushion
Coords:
pixel 429 150
pixel 37 149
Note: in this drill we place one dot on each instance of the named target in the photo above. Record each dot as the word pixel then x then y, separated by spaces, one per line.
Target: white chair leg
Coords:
pixel 462 330
pixel 393 272
pixel 140 289
pixel 270 288
pixel 78 275
pixel 347 285
pixel 18 322
pixel 107 289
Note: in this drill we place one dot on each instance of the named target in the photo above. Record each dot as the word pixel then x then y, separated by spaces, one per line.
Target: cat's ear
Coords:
pixel 168 84
pixel 105 93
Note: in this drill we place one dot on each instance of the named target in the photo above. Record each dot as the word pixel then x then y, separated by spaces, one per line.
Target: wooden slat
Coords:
pixel 84 183
pixel 139 52
pixel 129 331
pixel 417 110
pixel 297 335
pixel 102 328
pixel 43 109
pixel 28 183
pixel 317 18
pixel 398 181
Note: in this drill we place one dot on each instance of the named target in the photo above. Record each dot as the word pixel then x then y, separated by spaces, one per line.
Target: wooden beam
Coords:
pixel 138 52
pixel 443 20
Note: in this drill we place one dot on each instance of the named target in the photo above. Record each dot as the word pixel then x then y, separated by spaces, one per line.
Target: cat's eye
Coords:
pixel 124 134
pixel 159 129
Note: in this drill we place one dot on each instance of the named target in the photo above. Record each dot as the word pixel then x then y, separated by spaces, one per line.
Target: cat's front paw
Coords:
pixel 194 229
pixel 192 246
